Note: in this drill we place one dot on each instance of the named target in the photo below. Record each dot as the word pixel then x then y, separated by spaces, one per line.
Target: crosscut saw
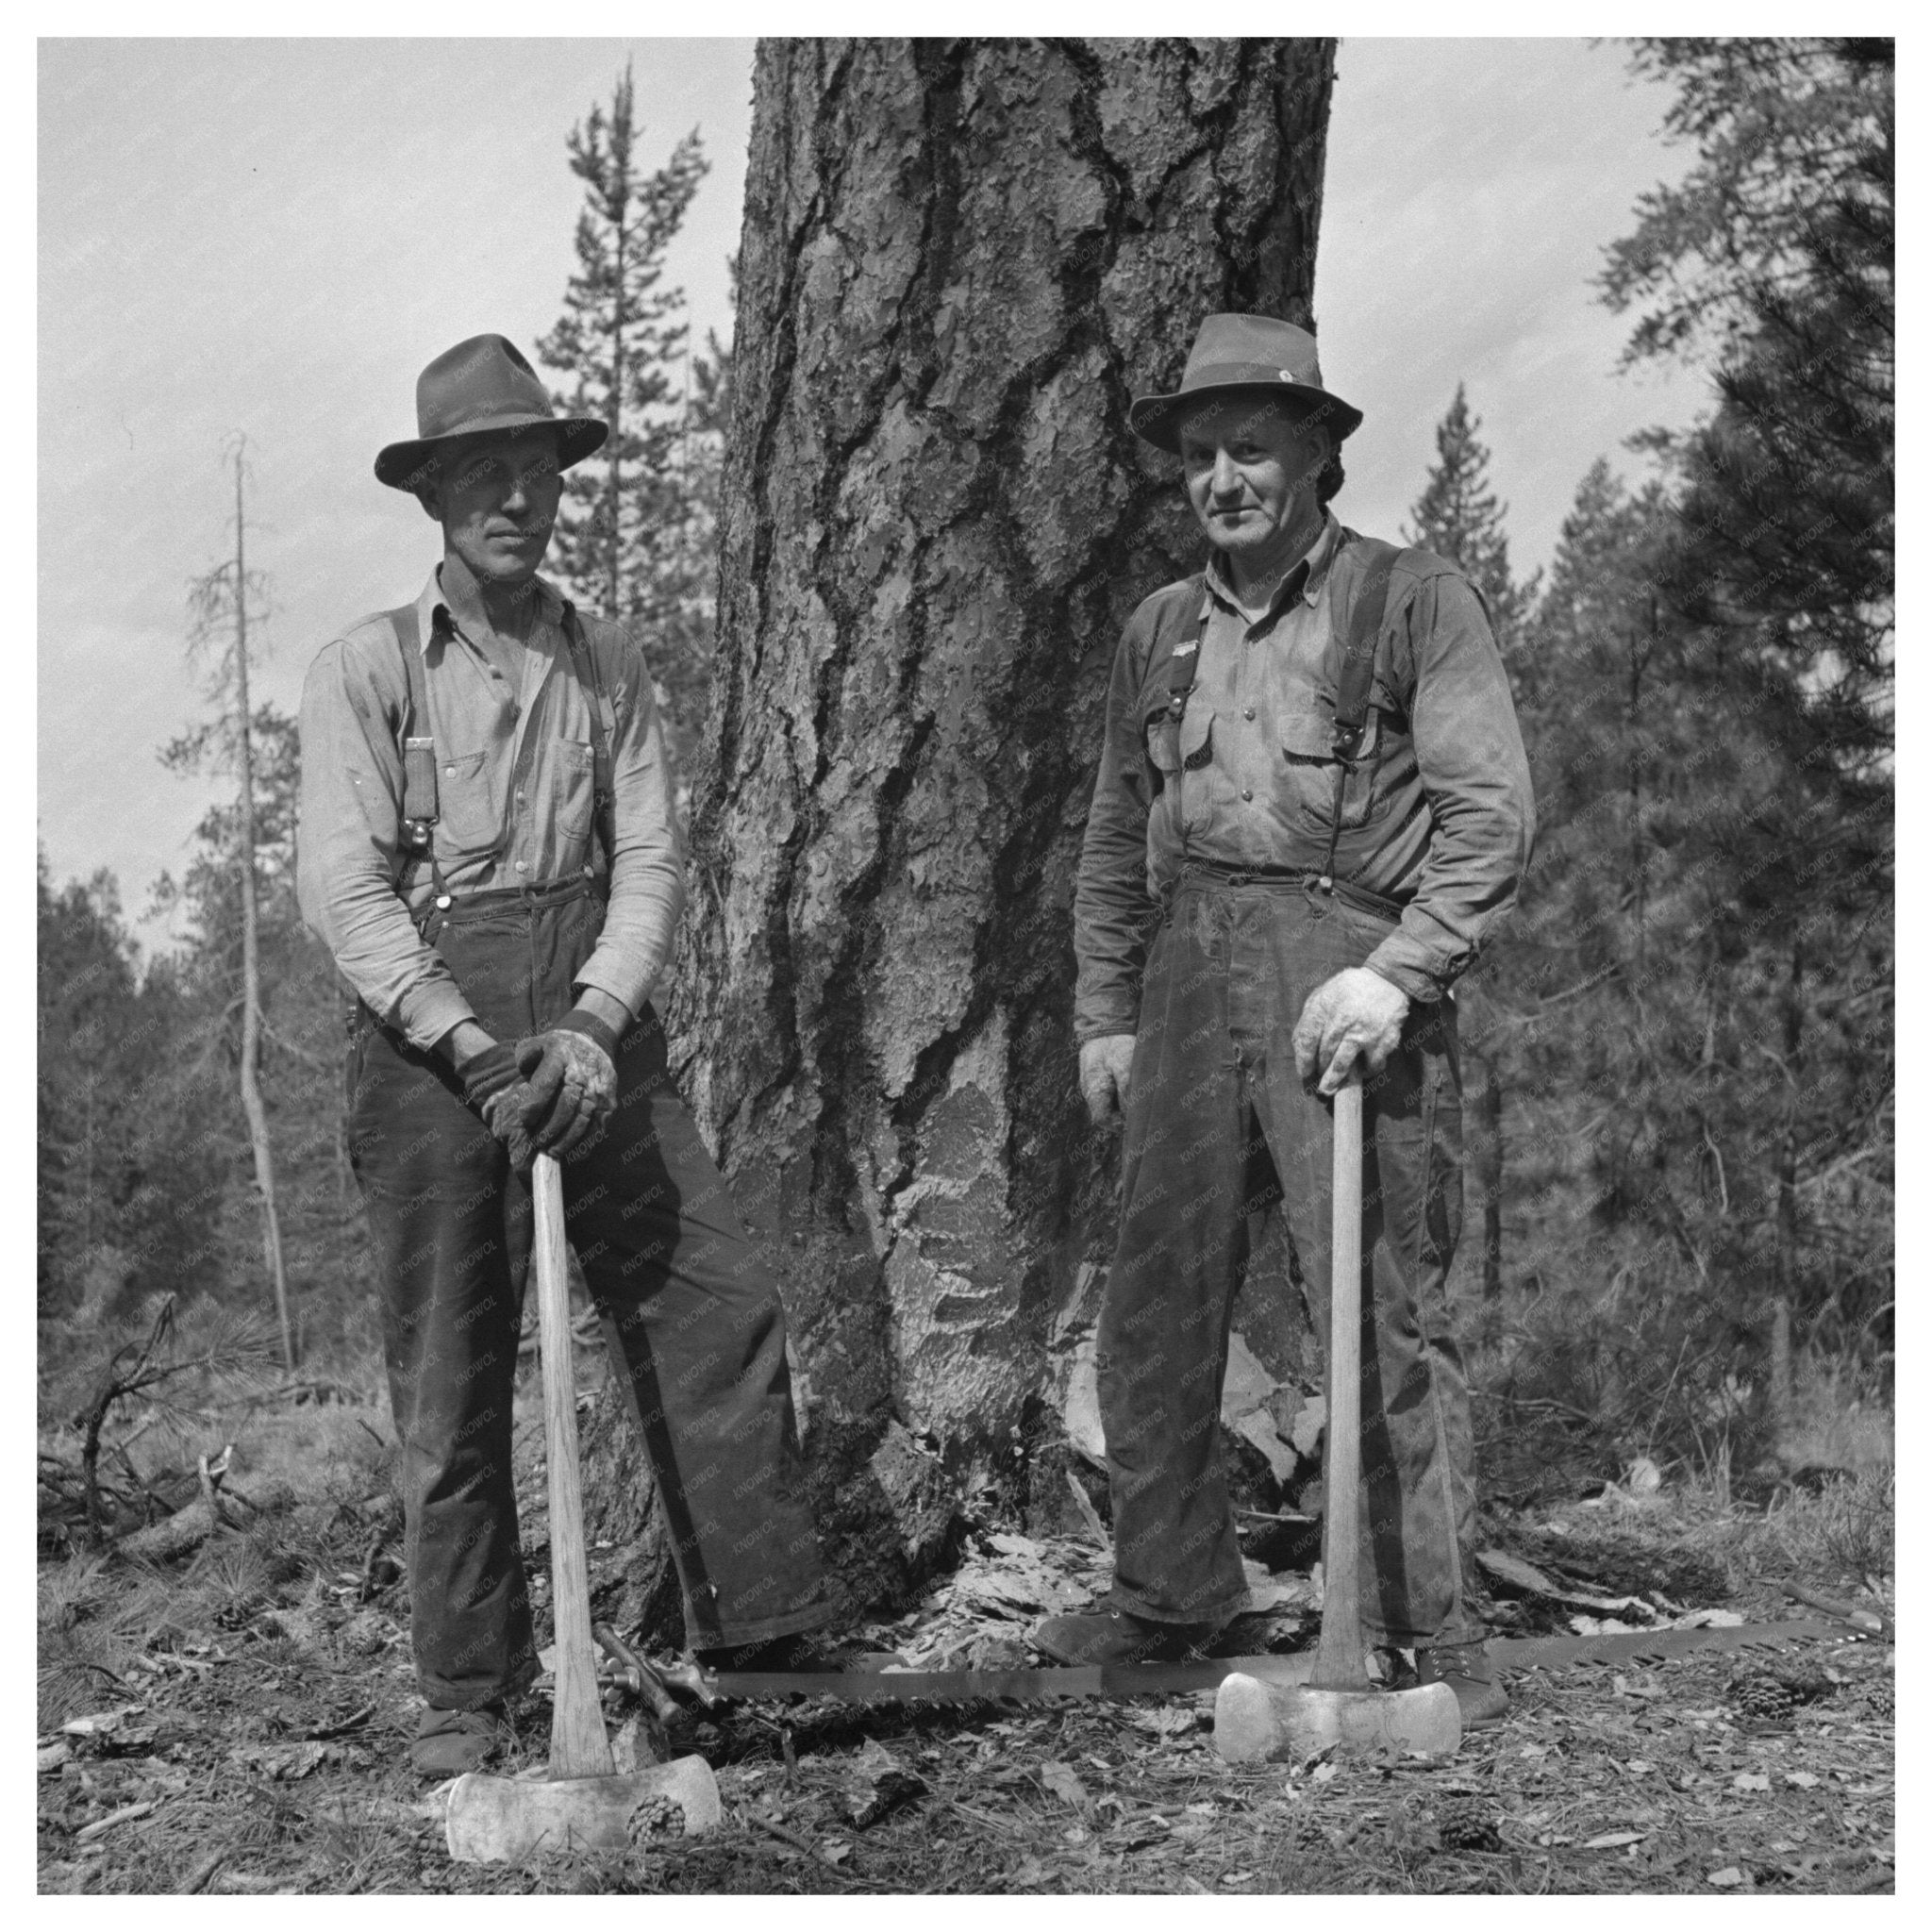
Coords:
pixel 660 1684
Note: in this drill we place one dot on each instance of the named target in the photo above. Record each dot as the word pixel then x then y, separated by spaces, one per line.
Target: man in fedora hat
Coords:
pixel 489 849
pixel 1312 806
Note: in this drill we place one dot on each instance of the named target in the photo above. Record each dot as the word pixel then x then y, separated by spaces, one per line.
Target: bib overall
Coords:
pixel 690 1314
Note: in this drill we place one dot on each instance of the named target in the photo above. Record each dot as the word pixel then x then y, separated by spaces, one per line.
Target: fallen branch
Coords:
pixel 189 1528
pixel 1859 1619
pixel 116 1382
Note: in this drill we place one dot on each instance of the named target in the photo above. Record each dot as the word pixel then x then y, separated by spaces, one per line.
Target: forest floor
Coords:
pixel 238 1722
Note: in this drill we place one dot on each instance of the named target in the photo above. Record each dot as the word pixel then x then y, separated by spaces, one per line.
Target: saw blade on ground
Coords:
pixel 1170 1680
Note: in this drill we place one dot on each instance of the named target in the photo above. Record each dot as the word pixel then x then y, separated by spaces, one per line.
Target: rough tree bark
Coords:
pixel 959 261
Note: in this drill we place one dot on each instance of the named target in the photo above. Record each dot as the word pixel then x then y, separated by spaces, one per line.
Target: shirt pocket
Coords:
pixel 468 819
pixel 1161 738
pixel 1309 767
pixel 576 790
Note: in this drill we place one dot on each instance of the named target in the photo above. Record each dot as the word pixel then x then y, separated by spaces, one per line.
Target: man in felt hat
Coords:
pixel 1312 806
pixel 489 849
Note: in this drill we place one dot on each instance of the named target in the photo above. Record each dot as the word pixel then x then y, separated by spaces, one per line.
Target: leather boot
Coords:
pixel 1118 1637
pixel 1468 1672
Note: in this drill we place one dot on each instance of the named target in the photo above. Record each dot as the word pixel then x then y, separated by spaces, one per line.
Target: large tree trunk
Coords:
pixel 959 261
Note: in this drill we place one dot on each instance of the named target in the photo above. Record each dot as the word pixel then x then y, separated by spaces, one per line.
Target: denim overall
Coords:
pixel 1219 1122
pixel 691 1313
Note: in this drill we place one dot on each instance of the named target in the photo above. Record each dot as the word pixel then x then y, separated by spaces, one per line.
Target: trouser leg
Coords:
pixel 696 1332
pixel 1418 1507
pixel 431 1182
pixel 1162 1349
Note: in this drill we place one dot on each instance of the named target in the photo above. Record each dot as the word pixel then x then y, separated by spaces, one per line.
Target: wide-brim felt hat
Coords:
pixel 482 387
pixel 1245 354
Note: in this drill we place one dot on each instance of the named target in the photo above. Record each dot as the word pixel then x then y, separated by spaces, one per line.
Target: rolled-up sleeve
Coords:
pixel 1475 777
pixel 347 856
pixel 647 854
pixel 1113 911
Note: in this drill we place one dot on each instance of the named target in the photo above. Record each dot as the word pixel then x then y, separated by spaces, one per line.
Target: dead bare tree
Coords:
pixel 220 602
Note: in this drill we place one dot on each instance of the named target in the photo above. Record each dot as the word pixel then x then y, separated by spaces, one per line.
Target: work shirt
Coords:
pixel 515 781
pixel 1437 814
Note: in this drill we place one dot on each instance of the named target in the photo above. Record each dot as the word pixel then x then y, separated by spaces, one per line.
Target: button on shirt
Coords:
pixel 1257 692
pixel 1437 812
pixel 516 783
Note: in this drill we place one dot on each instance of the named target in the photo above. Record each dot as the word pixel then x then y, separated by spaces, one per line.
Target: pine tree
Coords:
pixel 1784 558
pixel 1776 123
pixel 1458 516
pixel 629 539
pixel 1688 1012
pixel 1788 536
pixel 689 621
pixel 123 1147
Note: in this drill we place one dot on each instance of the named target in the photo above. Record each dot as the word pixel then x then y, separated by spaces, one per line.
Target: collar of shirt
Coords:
pixel 1305 581
pixel 433 611
pixel 545 645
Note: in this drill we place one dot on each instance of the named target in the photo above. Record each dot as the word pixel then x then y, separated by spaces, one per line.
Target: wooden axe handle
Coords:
pixel 579 1746
pixel 1339 1660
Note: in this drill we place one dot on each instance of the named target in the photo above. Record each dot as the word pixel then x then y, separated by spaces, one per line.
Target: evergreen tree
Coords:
pixel 630 539
pixel 1787 540
pixel 1783 559
pixel 687 630
pixel 1778 123
pixel 1688 1012
pixel 1458 516
pixel 125 1156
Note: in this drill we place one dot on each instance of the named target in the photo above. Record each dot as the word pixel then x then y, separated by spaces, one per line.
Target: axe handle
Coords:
pixel 1339 1660
pixel 579 1746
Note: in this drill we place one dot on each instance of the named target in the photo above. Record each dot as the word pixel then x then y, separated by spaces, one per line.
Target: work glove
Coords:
pixel 1356 1013
pixel 570 1070
pixel 1105 1065
pixel 495 1090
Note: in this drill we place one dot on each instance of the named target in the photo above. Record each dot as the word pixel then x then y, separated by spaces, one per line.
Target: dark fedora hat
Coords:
pixel 480 387
pixel 1245 352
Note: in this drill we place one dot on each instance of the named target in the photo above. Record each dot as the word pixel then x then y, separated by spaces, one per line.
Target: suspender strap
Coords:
pixel 419 748
pixel 417 820
pixel 602 730
pixel 1358 655
pixel 1185 665
pixel 1353 686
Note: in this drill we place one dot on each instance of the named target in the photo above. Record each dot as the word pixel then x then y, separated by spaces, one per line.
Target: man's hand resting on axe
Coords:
pixel 545 1094
pixel 571 1073
pixel 1357 1012
pixel 1104 1064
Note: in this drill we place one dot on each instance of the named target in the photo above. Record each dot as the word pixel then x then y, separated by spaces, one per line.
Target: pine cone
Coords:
pixel 1764 1695
pixel 1466 1826
pixel 1876 1699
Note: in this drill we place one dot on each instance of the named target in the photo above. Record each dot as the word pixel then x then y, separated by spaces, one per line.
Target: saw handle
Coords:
pixel 579 1746
pixel 1339 1664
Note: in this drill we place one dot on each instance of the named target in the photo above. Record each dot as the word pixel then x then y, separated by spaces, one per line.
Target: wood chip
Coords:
pixel 127 1812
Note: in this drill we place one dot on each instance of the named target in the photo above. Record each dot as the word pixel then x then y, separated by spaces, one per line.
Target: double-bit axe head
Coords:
pixel 1254 1720
pixel 506 1819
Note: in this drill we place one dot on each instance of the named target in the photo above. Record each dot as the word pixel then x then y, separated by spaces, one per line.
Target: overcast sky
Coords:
pixel 274 236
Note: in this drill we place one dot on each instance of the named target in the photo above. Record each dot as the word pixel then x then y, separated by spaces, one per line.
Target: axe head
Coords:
pixel 1254 1720
pixel 504 1820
